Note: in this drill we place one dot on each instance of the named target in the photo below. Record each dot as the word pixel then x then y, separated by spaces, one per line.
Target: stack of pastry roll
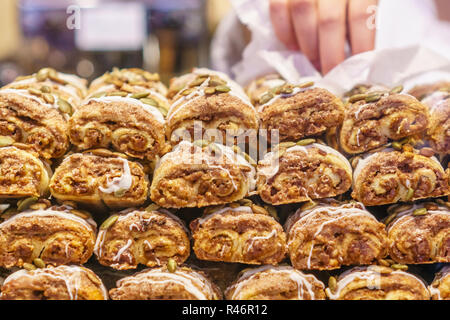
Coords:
pixel 329 234
pixel 201 174
pixel 54 283
pixel 45 235
pixel 440 287
pixel 22 172
pixel 166 283
pixel 378 116
pixel 239 232
pixel 275 283
pixel 100 178
pixel 390 176
pixel 377 283
pixel 296 172
pixel 299 111
pixel 34 110
pixel 124 111
pixel 211 104
pixel 149 236
pixel 419 233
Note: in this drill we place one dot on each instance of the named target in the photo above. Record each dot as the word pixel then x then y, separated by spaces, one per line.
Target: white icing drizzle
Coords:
pixel 266 237
pixel 122 250
pixel 71 275
pixel 271 164
pixel 365 273
pixel 245 209
pixel 195 284
pixel 181 154
pixel 116 99
pixel 26 94
pixel 123 182
pixel 295 275
pixel 87 223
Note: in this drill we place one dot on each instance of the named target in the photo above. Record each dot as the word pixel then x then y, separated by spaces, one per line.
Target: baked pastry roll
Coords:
pixel 440 287
pixel 183 283
pixel 380 116
pixel 35 118
pixel 123 79
pixel 149 236
pixel 391 176
pixel 128 118
pixel 438 133
pixel 69 87
pixel 52 236
pixel 331 234
pixel 22 173
pixel 377 283
pixel 296 172
pixel 276 283
pixel 200 174
pixel 54 283
pixel 213 105
pixel 258 87
pixel 100 178
pixel 239 232
pixel 419 233
pixel 299 111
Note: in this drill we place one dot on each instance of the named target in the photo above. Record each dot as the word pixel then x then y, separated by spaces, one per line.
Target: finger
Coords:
pixel 361 14
pixel 332 15
pixel 282 24
pixel 304 20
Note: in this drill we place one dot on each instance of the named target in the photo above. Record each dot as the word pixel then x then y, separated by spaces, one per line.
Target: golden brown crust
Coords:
pixel 308 112
pixel 22 174
pixel 378 283
pixel 194 176
pixel 59 283
pixel 140 236
pixel 23 119
pixel 239 235
pixel 54 235
pixel 302 173
pixel 120 123
pixel 160 284
pixel 392 176
pixel 100 180
pixel 370 125
pixel 275 283
pixel 423 238
pixel 440 287
pixel 329 236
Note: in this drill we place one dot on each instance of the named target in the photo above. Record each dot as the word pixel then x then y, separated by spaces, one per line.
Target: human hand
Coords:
pixel 319 28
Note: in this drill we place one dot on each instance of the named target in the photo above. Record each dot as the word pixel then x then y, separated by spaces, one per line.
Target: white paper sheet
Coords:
pixel 391 65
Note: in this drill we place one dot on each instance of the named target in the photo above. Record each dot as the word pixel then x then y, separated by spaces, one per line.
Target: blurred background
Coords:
pixel 89 37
